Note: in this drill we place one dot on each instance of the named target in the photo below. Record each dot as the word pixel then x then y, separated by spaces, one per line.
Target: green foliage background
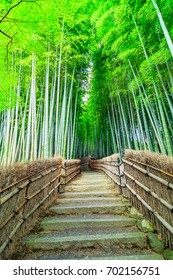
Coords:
pixel 120 43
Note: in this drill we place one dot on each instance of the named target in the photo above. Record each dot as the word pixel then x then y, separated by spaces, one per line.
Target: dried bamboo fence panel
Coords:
pixel 18 171
pixel 69 170
pixel 24 201
pixel 85 163
pixel 84 160
pixel 151 189
pixel 111 167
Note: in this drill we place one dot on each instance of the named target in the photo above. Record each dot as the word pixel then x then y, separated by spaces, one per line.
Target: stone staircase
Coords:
pixel 90 220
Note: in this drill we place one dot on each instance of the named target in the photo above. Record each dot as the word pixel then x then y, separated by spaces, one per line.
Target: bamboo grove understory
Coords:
pixel 81 78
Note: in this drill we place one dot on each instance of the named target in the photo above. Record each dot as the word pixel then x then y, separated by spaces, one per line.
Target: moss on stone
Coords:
pixel 168 254
pixel 146 226
pixel 135 214
pixel 155 243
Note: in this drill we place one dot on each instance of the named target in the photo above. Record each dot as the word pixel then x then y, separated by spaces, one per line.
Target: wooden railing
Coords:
pixel 111 168
pixel 149 189
pixel 69 170
pixel 24 201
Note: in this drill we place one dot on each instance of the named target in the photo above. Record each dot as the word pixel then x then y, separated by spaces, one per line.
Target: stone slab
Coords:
pixel 59 224
pixel 118 208
pixel 136 239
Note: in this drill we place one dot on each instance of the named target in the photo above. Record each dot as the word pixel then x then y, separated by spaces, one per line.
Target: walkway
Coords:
pixel 90 220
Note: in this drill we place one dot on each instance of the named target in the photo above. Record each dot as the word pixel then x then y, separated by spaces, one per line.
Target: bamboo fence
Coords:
pixel 23 202
pixel 69 170
pixel 113 168
pixel 151 192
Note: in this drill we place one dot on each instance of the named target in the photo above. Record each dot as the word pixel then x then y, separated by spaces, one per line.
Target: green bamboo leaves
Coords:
pixel 135 55
pixel 117 53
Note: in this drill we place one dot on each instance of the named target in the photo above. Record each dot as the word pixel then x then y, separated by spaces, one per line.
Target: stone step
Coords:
pixel 83 222
pixel 91 181
pixel 118 208
pixel 94 188
pixel 88 200
pixel 84 231
pixel 113 241
pixel 92 174
pixel 88 194
pixel 92 177
pixel 129 257
pixel 73 256
pixel 87 223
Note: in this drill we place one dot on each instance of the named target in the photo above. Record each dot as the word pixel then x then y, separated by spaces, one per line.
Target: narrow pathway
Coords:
pixel 89 221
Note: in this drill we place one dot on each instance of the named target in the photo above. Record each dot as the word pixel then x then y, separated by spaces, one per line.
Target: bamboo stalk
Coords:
pixel 36 177
pixel 163 26
pixel 15 229
pixel 4 245
pixel 2 225
pixel 8 196
pixel 10 237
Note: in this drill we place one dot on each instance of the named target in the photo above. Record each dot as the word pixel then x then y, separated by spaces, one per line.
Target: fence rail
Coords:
pixel 69 170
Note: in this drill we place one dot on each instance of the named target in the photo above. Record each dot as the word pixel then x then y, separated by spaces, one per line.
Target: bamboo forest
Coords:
pixel 86 77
